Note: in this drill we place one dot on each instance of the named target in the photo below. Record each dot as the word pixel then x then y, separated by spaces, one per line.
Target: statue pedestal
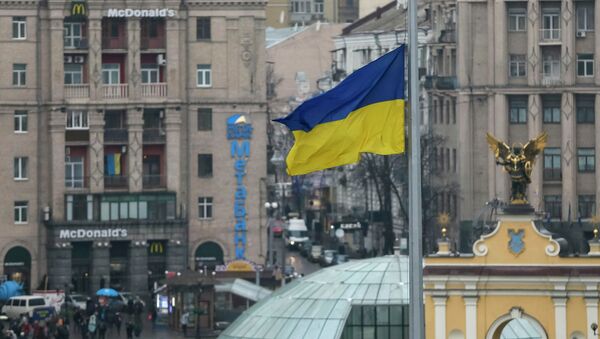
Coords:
pixel 594 247
pixel 518 209
pixel 443 247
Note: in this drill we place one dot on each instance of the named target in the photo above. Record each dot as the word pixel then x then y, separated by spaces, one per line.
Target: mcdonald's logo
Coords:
pixel 157 247
pixel 78 8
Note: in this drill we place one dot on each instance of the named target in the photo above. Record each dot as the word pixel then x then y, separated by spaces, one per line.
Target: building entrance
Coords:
pixel 119 269
pixel 81 261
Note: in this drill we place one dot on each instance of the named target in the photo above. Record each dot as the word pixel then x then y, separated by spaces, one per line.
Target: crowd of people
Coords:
pixel 98 320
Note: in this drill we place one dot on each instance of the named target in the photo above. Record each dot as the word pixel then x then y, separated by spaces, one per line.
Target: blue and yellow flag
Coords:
pixel 363 114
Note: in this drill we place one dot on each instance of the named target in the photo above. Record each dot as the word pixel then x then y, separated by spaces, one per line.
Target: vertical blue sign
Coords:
pixel 239 132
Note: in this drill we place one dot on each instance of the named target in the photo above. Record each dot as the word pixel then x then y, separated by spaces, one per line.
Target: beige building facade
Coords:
pixel 137 133
pixel 515 69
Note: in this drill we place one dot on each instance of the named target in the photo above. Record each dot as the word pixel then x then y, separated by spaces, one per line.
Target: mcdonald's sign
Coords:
pixel 157 247
pixel 78 9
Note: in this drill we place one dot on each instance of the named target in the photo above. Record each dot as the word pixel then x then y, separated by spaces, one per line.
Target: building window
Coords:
pixel 585 65
pixel 20 121
pixel 73 74
pixel 204 119
pixel 585 17
pixel 551 23
pixel 319 6
pixel 21 212
pixel 454 160
pixel 77 120
pixel 150 74
pixel 551 67
pixel 585 106
pixel 517 19
pixel 551 109
pixel 552 164
pixel 73 172
pixel 553 206
pixel 205 165
pixel 73 34
pixel 20 168
pixel 19 27
pixel 136 207
pixel 517 65
pixel 203 28
pixel 205 207
pixel 586 159
pixel 300 6
pixel 111 74
pixel 586 206
pixel 19 75
pixel 80 207
pixel 517 109
pixel 203 76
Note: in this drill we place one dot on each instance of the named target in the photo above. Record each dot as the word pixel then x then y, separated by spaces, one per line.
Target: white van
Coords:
pixel 296 233
pixel 16 306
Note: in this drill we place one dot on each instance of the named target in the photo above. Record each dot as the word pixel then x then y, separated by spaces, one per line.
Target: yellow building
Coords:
pixel 515 272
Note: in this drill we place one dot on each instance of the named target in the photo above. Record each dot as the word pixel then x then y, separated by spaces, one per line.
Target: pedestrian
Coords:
pixel 154 315
pixel 102 329
pixel 185 319
pixel 92 324
pixel 129 330
pixel 62 330
pixel 118 322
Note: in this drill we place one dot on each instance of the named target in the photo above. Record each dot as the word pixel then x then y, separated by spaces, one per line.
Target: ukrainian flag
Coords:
pixel 364 113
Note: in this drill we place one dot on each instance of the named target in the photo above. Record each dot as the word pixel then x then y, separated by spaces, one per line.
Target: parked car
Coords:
pixel 277 231
pixel 316 252
pixel 328 258
pixel 16 306
pixel 295 233
pixel 341 258
pixel 76 301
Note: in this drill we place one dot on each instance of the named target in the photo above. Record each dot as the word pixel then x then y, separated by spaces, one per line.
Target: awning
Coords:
pixel 244 289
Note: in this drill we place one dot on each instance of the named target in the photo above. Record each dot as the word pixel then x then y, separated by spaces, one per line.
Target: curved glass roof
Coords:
pixel 317 305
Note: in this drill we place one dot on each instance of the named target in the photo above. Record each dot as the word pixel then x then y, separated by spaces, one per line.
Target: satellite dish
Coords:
pixel 339 233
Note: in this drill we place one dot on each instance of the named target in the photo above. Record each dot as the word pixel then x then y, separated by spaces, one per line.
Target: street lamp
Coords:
pixel 270 207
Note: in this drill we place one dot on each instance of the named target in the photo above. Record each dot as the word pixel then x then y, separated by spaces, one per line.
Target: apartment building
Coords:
pixel 283 13
pixel 136 133
pixel 519 68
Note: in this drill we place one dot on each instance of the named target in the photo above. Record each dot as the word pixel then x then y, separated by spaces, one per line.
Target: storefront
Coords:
pixel 127 256
pixel 208 255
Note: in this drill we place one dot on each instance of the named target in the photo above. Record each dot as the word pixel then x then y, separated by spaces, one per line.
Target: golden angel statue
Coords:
pixel 518 161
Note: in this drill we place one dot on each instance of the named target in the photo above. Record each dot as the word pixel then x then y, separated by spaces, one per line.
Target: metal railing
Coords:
pixel 153 181
pixel 154 135
pixel 154 90
pixel 115 91
pixel 114 43
pixel 77 91
pixel 116 134
pixel 76 183
pixel 550 34
pixel 115 181
pixel 153 43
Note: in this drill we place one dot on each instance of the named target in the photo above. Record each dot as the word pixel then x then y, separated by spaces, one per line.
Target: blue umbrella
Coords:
pixel 107 292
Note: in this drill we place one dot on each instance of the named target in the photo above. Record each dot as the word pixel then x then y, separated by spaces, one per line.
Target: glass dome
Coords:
pixel 318 305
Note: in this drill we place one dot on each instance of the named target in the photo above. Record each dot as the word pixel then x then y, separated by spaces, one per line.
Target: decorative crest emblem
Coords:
pixel 516 244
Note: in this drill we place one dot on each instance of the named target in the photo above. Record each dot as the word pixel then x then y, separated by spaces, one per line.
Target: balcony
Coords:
pixel 114 43
pixel 116 91
pixel 154 90
pixel 118 135
pixel 154 135
pixel 153 43
pixel 74 91
pixel 153 181
pixel 76 183
pixel 72 43
pixel 550 35
pixel 440 82
pixel 116 181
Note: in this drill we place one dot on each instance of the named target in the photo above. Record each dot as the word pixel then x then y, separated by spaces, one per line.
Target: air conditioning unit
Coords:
pixel 160 60
pixel 79 59
pixel 580 34
pixel 68 59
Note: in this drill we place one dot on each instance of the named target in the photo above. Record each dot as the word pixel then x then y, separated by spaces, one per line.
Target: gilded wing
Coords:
pixel 501 149
pixel 535 146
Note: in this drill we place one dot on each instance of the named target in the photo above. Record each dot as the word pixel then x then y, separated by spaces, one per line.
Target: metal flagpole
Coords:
pixel 416 326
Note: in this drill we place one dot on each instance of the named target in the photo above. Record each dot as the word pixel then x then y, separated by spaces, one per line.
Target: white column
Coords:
pixel 591 308
pixel 470 317
pixel 597 143
pixel 560 317
pixel 501 43
pixel 501 132
pixel 568 42
pixel 533 47
pixel 597 43
pixel 439 306
pixel 465 154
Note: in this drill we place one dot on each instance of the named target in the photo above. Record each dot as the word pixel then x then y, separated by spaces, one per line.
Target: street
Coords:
pixel 301 264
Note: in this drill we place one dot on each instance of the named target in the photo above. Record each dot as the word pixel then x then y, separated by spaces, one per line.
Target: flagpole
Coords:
pixel 416 327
